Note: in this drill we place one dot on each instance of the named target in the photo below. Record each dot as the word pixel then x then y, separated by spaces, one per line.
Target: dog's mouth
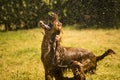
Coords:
pixel 44 26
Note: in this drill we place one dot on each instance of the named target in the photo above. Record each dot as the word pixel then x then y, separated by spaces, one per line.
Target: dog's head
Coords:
pixel 54 27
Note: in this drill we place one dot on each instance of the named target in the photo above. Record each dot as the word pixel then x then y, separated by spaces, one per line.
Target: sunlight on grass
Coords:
pixel 20 52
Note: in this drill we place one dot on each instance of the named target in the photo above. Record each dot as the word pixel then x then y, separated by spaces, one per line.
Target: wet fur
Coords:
pixel 57 58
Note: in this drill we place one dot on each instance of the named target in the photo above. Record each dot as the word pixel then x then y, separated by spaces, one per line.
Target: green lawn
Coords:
pixel 20 52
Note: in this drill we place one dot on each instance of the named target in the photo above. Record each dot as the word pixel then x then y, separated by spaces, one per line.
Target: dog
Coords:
pixel 56 58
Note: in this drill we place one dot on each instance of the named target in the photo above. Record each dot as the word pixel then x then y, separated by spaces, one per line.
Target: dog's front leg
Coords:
pixel 48 75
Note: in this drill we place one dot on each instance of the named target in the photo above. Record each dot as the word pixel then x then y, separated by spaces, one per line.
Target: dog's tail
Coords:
pixel 108 52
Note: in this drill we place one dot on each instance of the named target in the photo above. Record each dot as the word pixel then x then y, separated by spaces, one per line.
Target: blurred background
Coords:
pixel 25 14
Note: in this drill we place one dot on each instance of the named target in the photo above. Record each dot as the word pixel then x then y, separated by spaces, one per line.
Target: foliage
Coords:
pixel 27 13
pixel 93 12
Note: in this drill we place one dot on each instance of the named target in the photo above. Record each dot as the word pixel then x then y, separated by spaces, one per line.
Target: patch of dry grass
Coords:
pixel 20 52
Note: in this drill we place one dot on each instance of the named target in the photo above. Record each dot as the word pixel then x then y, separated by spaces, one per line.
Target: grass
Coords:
pixel 20 52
